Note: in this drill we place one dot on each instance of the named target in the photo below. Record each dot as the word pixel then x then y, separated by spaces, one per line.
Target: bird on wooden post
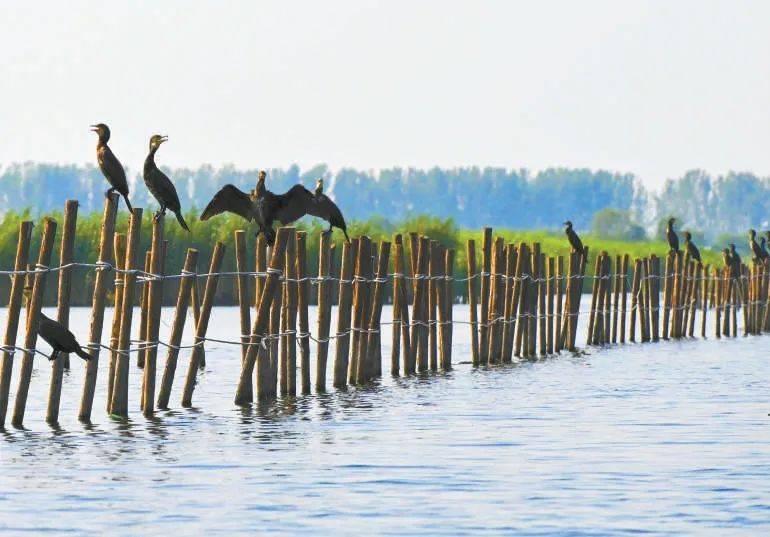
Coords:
pixel 109 164
pixel 759 253
pixel 160 186
pixel 673 240
pixel 572 237
pixel 57 335
pixel 690 248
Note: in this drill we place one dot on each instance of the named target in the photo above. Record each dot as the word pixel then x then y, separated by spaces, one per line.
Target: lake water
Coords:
pixel 670 438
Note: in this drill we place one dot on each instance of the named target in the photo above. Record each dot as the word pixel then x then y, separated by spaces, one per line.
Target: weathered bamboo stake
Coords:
pixel 440 287
pixel 607 299
pixel 623 296
pixel 634 299
pixel 273 335
pixel 541 300
pixel 405 327
pixel 525 282
pixel 433 264
pixel 366 274
pixel 688 276
pixel 727 287
pixel 486 268
pixel 473 300
pixel 119 401
pixel 667 292
pixel 414 247
pixel 420 334
pixel 324 310
pixel 697 274
pixel 144 297
pixel 509 334
pixel 260 259
pixel 177 328
pixel 766 298
pixel 559 303
pixel 494 333
pixel 744 299
pixel 33 319
pixel 63 306
pixel 682 295
pixel 449 268
pixel 718 294
pixel 345 291
pixel 550 283
pixel 119 251
pixel 578 290
pixel 616 298
pixel 592 314
pixel 654 276
pixel 566 324
pixel 154 303
pixel 675 292
pixel 359 307
pixel 508 312
pixel 398 282
pixel 290 338
pixel 598 335
pixel 533 300
pixel 12 321
pixel 704 299
pixel 303 335
pixel 195 298
pixel 261 321
pixel 203 323
pixel 378 295
pixel 644 300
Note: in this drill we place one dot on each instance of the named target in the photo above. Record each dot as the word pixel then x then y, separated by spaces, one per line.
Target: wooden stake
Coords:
pixel 341 361
pixel 324 310
pixel 144 298
pixel 486 268
pixel 119 249
pixel 302 305
pixel 154 304
pixel 473 300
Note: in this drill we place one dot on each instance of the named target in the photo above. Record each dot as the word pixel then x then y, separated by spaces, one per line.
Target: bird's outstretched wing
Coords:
pixel 324 207
pixel 293 204
pixel 229 199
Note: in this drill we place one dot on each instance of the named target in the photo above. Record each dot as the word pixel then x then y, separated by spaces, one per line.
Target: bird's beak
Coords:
pixel 94 128
pixel 163 139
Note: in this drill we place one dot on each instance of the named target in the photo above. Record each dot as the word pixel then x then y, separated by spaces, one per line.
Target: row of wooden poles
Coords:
pixel 522 303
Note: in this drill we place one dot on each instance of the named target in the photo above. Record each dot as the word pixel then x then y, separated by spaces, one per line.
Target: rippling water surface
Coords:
pixel 669 438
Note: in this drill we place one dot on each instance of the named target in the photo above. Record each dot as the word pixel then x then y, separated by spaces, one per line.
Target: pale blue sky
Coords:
pixel 650 87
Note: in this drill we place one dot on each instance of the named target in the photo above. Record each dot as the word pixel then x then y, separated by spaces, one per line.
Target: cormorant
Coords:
pixel 160 186
pixel 736 261
pixel 727 259
pixel 57 336
pixel 673 240
pixel 691 249
pixel 572 237
pixel 759 253
pixel 265 207
pixel 762 245
pixel 324 207
pixel 110 165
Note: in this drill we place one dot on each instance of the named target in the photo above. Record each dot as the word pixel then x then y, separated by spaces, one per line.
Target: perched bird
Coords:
pixel 264 206
pixel 759 253
pixel 57 336
pixel 763 246
pixel 324 207
pixel 111 167
pixel 690 248
pixel 736 261
pixel 572 237
pixel 727 259
pixel 673 240
pixel 160 186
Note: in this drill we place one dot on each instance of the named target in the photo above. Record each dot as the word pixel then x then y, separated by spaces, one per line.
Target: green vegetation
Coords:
pixel 203 235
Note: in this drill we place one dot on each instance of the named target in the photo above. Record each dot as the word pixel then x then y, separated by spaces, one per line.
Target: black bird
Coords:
pixel 572 237
pixel 324 207
pixel 160 186
pixel 759 253
pixel 673 240
pixel 263 206
pixel 762 245
pixel 736 261
pixel 111 167
pixel 57 336
pixel 727 258
pixel 691 249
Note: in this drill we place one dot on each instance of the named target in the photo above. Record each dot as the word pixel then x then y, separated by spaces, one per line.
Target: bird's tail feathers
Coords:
pixel 128 203
pixel 180 218
pixel 83 354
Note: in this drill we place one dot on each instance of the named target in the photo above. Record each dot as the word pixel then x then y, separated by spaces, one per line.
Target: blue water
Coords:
pixel 666 439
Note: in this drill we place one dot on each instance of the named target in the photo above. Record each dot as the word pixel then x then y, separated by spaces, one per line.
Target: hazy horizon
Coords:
pixel 650 88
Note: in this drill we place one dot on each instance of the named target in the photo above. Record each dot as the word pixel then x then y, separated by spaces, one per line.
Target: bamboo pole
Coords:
pixel 440 299
pixel 419 336
pixel 704 299
pixel 532 319
pixel 302 306
pixel 261 321
pixel 356 375
pixel 634 299
pixel 486 268
pixel 525 281
pixel 398 282
pixel 550 283
pixel 409 366
pixel 494 333
pixel 655 290
pixel 565 332
pixel 473 300
pixel 508 308
pixel 675 293
pixel 324 310
pixel 623 297
pixel 718 302
pixel 177 328
pixel 63 306
pixel 195 298
pixel 433 264
pixel 119 249
pixel 697 268
pixel 33 319
pixel 645 299
pixel 541 313
pixel 290 337
pixel 559 303
pixel 119 401
pixel 378 294
pixel 616 298
pixel 341 361
pixel 12 321
pixel 667 292
pixel 154 304
pixel 203 323
pixel 144 297
pixel 242 281
pixel 594 301
pixel 582 261
pixel 449 267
